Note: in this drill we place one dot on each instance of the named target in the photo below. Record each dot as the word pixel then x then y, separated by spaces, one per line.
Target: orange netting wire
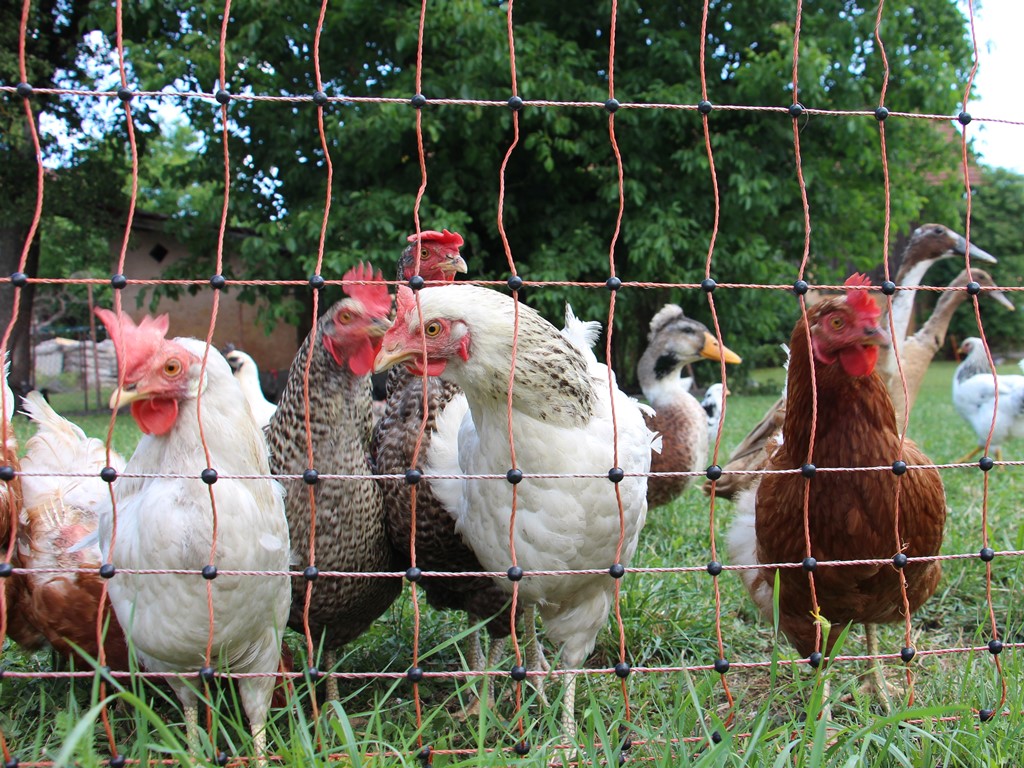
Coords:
pixel 623 284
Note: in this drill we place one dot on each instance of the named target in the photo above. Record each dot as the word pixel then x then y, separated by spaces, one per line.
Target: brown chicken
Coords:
pixel 17 625
pixel 928 245
pixel 60 514
pixel 850 516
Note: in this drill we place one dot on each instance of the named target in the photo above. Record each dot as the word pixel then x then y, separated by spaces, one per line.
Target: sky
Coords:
pixel 998 26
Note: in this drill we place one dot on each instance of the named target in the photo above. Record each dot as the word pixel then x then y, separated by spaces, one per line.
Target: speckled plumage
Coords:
pixel 561 424
pixel 438 546
pixel 350 532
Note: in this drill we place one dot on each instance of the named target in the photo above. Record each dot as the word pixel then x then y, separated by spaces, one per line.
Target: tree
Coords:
pixel 81 145
pixel 561 195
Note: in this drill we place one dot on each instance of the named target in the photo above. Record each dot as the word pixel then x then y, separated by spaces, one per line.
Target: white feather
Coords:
pixel 248 376
pixel 166 523
pixel 561 523
pixel 974 397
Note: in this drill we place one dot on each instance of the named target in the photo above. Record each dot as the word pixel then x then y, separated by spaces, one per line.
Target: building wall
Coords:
pixel 237 322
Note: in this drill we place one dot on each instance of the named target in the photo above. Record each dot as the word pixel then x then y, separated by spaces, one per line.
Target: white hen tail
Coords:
pixel 59 446
pixel 582 334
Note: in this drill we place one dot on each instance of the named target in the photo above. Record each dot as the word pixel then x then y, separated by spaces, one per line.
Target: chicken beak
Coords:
pixel 976 253
pixel 124 396
pixel 389 356
pixel 454 263
pixel 378 327
pixel 876 336
pixel 714 351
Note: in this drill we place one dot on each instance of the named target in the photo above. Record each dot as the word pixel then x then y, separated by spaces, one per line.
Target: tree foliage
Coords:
pixel 560 202
pixel 997 210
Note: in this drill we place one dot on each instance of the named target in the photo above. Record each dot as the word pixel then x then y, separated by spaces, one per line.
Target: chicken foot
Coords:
pixel 535 651
pixel 331 693
pixel 475 659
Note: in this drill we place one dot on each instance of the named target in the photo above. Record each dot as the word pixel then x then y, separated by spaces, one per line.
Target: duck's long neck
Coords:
pixel 659 374
pixel 903 301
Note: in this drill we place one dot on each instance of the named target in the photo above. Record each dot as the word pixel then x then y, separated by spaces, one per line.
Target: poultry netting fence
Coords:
pixel 700 665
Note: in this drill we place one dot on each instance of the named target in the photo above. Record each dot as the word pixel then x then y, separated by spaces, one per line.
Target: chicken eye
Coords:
pixel 424 253
pixel 172 367
pixel 432 329
pixel 344 316
pixel 836 322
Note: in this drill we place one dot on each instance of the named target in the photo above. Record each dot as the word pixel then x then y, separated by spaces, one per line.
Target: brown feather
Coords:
pixel 850 516
pixel 438 546
pixel 684 448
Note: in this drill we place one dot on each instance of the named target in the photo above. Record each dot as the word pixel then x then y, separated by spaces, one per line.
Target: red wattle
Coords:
pixel 859 361
pixel 155 416
pixel 434 367
pixel 360 362
pixel 334 350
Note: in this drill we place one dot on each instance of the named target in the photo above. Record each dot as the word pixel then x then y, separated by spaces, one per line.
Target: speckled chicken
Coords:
pixel 349 515
pixel 850 516
pixel 673 342
pixel 561 422
pixel 438 546
pixel 56 531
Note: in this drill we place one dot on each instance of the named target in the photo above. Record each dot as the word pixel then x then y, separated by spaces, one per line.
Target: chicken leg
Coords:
pixel 331 692
pixel 876 685
pixel 476 660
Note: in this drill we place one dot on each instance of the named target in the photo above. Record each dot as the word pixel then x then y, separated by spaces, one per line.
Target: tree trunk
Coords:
pixel 12 242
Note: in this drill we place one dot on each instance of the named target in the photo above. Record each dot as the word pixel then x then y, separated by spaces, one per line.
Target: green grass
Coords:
pixel 670 620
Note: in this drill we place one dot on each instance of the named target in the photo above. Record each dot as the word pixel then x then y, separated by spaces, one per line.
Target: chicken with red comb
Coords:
pixel 196 423
pixel 439 257
pixel 864 515
pixel 560 413
pixel 350 531
pixel 393 450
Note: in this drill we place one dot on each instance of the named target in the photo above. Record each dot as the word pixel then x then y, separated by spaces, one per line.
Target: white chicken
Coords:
pixel 194 422
pixel 974 396
pixel 247 373
pixel 57 531
pixel 561 422
pixel 712 405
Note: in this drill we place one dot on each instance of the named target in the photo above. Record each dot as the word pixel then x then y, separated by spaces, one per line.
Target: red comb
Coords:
pixel 451 239
pixel 139 342
pixel 861 301
pixel 374 294
pixel 406 300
